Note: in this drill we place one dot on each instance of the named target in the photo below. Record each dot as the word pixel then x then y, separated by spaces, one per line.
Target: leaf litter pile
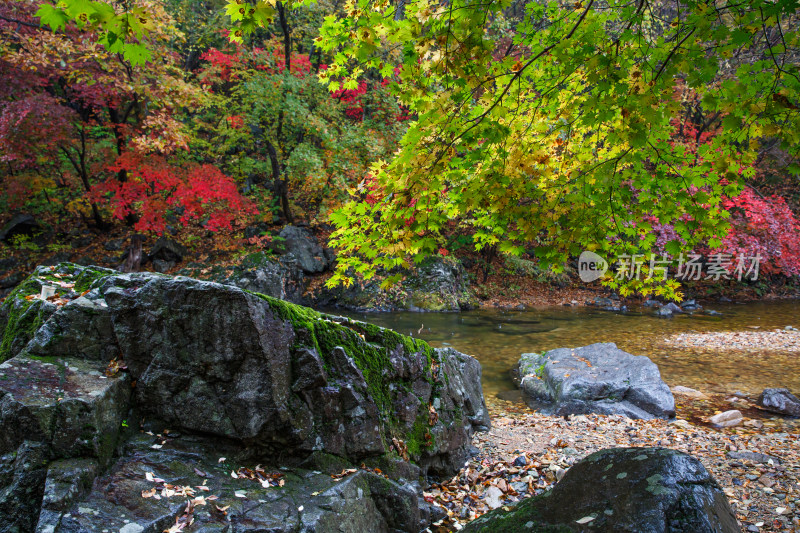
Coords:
pixel 526 453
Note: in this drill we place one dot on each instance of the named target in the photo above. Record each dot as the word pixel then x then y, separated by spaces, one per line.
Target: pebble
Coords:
pixel 494 497
pixel 691 393
pixel 520 487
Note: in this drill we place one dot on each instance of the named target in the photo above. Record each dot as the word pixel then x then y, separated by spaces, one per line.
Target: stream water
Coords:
pixel 497 338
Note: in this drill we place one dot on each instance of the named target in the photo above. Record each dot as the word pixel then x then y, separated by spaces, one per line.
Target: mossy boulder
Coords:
pixel 269 378
pixel 216 359
pixel 657 490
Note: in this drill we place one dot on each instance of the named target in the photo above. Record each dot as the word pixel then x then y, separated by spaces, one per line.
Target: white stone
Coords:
pixel 727 419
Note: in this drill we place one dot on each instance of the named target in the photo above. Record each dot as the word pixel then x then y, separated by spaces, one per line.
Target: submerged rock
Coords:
pixel 691 305
pixel 632 489
pixel 262 377
pixel 668 310
pixel 599 378
pixel 695 394
pixel 727 419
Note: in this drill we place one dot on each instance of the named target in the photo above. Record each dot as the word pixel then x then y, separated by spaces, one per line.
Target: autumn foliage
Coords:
pixel 154 188
pixel 764 226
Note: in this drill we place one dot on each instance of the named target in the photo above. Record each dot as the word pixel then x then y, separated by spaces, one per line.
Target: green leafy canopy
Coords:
pixel 548 125
pixel 557 136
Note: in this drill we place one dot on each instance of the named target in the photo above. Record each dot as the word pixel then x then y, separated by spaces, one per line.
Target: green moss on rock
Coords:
pixel 23 315
pixel 369 346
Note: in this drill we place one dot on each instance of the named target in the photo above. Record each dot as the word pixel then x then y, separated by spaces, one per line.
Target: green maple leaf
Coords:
pixel 53 17
pixel 136 53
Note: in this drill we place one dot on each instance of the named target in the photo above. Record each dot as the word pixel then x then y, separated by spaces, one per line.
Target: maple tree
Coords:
pixel 283 131
pixel 153 188
pixel 764 227
pixel 84 126
pixel 560 140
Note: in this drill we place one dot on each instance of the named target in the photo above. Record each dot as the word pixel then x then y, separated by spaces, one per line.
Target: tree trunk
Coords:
pixel 279 186
pixel 133 262
pixel 287 36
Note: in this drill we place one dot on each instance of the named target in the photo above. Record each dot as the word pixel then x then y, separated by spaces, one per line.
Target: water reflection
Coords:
pixel 497 338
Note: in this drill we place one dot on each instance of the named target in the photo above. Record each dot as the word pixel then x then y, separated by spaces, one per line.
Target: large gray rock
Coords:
pixel 275 375
pixel 263 377
pixel 437 284
pixel 265 372
pixel 599 378
pixel 780 401
pixel 280 278
pixel 631 490
pixel 306 250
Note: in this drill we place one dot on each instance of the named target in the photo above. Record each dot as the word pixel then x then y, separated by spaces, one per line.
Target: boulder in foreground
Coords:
pixel 599 378
pixel 656 490
pixel 221 367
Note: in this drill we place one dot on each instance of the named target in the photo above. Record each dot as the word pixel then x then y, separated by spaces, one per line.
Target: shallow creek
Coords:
pixel 497 338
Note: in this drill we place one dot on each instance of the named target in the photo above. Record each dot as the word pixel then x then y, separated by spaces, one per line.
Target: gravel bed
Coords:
pixel 775 340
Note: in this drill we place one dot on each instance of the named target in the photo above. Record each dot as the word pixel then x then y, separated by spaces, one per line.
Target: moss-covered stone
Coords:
pixel 22 316
pixel 666 492
pixel 236 374
pixel 247 361
pixel 369 346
